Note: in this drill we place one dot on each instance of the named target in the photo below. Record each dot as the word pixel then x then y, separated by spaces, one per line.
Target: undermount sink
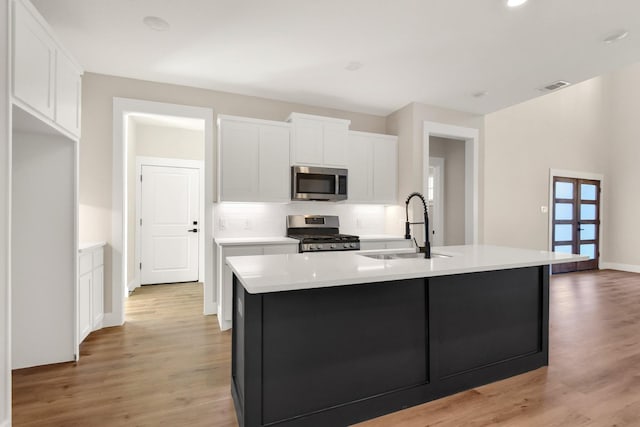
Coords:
pixel 405 255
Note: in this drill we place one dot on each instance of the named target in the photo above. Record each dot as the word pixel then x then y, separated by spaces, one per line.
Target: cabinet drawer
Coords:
pixel 85 263
pixel 98 258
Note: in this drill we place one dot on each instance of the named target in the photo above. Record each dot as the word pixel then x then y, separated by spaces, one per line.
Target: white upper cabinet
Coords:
pixel 46 81
pixel 253 160
pixel 68 87
pixel 318 141
pixel 373 168
pixel 33 61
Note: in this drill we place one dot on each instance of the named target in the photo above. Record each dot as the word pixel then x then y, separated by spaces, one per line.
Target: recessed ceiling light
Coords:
pixel 616 37
pixel 480 94
pixel 156 23
pixel 353 66
pixel 515 3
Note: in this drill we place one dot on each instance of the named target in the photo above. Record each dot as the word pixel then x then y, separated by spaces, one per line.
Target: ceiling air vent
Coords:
pixel 554 86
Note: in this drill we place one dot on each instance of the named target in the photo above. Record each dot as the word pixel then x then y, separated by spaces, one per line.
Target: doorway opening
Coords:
pixel 159 121
pixel 575 221
pixel 165 165
pixel 462 221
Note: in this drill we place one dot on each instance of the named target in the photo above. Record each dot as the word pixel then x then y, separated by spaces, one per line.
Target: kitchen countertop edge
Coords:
pixel 277 273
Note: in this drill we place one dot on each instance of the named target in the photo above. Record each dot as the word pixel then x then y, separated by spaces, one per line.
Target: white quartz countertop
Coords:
pixel 276 273
pixel 237 241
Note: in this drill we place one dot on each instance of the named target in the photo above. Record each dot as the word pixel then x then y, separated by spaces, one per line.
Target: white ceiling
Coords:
pixel 436 52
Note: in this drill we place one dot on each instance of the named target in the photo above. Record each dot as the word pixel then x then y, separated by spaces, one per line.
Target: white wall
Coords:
pixel 621 141
pixel 5 197
pixel 562 130
pixel 169 142
pixel 96 144
pixel 408 124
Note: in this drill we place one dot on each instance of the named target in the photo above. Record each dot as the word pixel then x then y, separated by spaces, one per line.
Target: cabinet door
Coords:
pixel 97 297
pixel 280 249
pixel 307 142
pixel 335 145
pixel 239 165
pixel 274 171
pixel 84 305
pixel 67 94
pixel 226 290
pixel 33 62
pixel 385 170
pixel 360 185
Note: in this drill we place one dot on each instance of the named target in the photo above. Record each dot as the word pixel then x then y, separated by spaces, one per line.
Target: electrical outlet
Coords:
pixel 358 223
pixel 544 209
pixel 247 224
pixel 222 224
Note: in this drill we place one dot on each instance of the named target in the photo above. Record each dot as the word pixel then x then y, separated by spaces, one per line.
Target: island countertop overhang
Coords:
pixel 278 273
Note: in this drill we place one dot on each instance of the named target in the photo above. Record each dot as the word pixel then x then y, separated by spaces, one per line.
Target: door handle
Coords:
pixel 195 230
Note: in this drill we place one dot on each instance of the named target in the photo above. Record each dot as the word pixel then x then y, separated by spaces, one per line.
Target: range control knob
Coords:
pixel 312 247
pixel 332 246
pixel 353 245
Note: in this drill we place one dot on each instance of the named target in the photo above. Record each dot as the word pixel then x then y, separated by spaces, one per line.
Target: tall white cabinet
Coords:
pixel 5 199
pixel 45 129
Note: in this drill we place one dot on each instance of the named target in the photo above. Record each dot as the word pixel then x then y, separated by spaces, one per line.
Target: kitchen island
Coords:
pixel 335 338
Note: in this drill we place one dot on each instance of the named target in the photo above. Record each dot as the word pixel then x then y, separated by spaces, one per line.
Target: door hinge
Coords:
pixel 140 177
pixel 140 266
pixel 140 222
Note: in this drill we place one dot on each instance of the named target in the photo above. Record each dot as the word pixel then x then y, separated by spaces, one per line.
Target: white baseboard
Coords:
pixel 132 285
pixel 211 310
pixel 631 268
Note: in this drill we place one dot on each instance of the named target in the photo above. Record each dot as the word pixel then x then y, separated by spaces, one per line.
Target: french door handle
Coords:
pixel 195 230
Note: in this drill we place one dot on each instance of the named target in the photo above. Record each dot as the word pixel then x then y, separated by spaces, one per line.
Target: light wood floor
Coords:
pixel 169 365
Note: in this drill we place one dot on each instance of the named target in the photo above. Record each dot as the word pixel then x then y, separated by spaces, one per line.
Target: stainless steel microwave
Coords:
pixel 316 183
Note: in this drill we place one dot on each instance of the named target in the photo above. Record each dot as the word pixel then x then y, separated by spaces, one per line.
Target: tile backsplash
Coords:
pixel 268 219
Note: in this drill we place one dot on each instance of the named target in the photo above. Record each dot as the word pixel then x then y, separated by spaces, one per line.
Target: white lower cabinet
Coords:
pixel 84 305
pixel 366 245
pixel 225 276
pixel 90 290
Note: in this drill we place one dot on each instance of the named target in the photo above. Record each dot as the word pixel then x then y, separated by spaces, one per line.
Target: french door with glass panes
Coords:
pixel 576 221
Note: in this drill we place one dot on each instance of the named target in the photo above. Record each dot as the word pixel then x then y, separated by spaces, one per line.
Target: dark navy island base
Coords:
pixel 339 355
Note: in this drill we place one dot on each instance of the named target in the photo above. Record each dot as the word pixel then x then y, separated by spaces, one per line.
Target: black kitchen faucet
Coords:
pixel 407 224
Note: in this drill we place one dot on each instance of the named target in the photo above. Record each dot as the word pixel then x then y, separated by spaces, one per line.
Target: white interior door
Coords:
pixel 169 212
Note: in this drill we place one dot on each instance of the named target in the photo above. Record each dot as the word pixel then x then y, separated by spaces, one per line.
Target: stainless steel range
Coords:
pixel 320 233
